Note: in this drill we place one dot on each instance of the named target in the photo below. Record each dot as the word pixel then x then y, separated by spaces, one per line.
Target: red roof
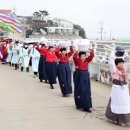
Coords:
pixel 6 11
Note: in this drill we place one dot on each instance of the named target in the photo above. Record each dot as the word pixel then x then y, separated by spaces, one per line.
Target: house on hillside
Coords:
pixel 62 27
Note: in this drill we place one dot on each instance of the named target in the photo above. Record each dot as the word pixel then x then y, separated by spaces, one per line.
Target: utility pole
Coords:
pixel 101 30
pixel 110 35
pixel 14 9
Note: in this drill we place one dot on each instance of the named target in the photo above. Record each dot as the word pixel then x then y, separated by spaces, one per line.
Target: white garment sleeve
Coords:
pixel 112 63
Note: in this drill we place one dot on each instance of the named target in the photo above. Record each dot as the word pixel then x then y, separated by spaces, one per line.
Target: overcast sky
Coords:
pixel 88 13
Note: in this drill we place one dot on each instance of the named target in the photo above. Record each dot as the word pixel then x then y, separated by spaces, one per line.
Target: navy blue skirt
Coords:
pixel 3 60
pixel 51 70
pixel 42 68
pixel 82 90
pixel 64 77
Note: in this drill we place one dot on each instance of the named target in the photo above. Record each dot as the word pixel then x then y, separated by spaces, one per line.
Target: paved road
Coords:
pixel 27 104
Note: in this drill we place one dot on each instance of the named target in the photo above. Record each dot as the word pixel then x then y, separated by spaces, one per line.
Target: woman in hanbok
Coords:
pixel 4 53
pixel 42 63
pixel 82 87
pixel 51 65
pixel 64 72
pixel 118 109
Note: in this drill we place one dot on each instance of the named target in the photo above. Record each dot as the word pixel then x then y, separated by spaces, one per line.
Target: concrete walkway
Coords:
pixel 27 104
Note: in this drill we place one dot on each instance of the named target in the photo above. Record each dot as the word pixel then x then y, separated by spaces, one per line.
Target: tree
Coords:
pixel 35 15
pixel 28 33
pixel 40 20
pixel 81 31
pixel 40 15
pixel 43 14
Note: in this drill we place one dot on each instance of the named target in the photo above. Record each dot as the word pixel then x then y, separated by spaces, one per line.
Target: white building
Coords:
pixel 62 27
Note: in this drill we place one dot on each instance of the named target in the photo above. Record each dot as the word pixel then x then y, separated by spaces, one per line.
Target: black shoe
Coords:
pixel 77 107
pixel 64 95
pixel 41 80
pixel 88 110
pixel 51 86
pixel 35 73
pixel 21 69
pixel 27 69
pixel 46 81
pixel 9 63
pixel 15 67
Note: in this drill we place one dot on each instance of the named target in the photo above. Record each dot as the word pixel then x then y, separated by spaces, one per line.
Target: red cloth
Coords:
pixel 64 58
pixel 50 56
pixel 4 51
pixel 41 50
pixel 82 65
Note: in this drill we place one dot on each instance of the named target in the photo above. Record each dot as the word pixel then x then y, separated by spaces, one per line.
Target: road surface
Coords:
pixel 27 104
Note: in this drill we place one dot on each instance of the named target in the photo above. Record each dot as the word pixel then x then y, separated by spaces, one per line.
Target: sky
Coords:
pixel 115 14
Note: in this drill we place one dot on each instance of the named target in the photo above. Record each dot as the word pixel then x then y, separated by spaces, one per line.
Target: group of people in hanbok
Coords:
pixel 50 61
